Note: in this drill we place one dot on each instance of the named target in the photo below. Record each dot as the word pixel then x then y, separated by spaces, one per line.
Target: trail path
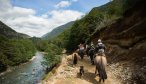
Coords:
pixel 66 73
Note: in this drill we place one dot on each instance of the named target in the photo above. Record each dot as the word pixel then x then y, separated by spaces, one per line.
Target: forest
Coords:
pixel 15 51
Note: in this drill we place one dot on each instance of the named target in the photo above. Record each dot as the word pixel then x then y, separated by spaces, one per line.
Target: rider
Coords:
pixel 81 50
pixel 100 48
pixel 91 52
pixel 92 46
pixel 81 46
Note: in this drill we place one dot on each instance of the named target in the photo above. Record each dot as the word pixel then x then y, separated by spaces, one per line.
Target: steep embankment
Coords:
pixel 126 45
pixel 66 73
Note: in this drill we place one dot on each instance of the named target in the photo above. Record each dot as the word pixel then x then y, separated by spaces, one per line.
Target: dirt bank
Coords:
pixel 126 45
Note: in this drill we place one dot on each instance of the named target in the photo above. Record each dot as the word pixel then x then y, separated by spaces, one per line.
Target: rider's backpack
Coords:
pixel 100 46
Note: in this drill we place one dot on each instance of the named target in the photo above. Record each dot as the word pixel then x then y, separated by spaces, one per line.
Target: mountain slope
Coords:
pixel 57 30
pixel 9 32
pixel 126 44
pixel 15 48
pixel 97 18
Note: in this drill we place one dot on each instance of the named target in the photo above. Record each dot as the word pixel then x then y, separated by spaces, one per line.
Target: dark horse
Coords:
pixel 75 59
pixel 81 53
pixel 101 62
pixel 91 54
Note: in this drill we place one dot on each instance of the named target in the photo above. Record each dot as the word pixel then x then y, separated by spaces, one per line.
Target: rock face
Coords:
pixel 126 45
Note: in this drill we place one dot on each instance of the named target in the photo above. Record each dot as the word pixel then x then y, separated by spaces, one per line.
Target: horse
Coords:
pixel 81 53
pixel 91 54
pixel 75 59
pixel 101 62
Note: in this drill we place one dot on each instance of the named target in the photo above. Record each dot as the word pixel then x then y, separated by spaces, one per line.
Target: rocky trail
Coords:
pixel 66 73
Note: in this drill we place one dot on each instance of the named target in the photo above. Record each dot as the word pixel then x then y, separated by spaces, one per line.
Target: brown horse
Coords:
pixel 75 58
pixel 101 62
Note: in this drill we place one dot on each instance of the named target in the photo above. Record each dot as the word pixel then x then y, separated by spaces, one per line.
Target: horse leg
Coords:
pixel 92 61
pixel 90 58
pixel 87 53
pixel 103 80
pixel 81 56
pixel 96 70
pixel 99 79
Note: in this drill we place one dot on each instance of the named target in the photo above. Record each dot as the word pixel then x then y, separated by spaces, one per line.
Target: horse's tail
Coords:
pixel 102 67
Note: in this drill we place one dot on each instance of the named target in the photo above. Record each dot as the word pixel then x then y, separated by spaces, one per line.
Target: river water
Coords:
pixel 28 73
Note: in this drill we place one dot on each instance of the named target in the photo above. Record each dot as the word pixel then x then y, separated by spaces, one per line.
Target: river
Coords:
pixel 28 73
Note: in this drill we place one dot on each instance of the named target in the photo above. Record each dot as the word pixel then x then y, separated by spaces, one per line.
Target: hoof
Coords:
pixel 100 80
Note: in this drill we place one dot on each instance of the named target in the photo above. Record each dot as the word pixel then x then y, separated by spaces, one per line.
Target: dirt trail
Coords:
pixel 66 73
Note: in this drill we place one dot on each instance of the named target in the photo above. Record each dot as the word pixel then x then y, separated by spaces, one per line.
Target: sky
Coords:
pixel 38 17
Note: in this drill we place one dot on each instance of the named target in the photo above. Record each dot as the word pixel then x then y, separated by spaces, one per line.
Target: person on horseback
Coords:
pixel 81 50
pixel 87 49
pixel 100 48
pixel 100 61
pixel 92 46
pixel 81 46
pixel 91 52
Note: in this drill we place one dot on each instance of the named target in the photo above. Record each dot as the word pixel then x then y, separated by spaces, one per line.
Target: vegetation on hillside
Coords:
pixel 15 51
pixel 98 17
pixel 53 47
pixel 15 48
pixel 55 44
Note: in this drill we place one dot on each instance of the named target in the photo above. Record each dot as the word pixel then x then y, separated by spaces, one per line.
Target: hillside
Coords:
pixel 97 18
pixel 15 48
pixel 126 44
pixel 58 30
pixel 9 32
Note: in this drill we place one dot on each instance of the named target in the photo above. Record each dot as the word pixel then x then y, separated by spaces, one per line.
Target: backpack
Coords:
pixel 100 46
